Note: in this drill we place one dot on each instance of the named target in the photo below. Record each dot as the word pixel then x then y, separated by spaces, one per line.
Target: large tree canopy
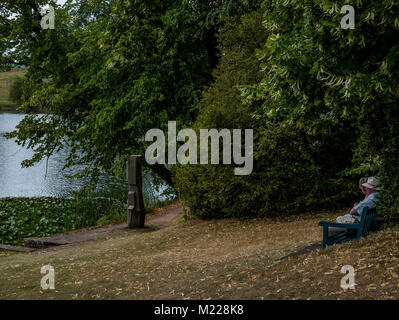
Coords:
pixel 110 71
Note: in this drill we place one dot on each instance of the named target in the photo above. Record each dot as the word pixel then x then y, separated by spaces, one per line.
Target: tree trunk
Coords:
pixel 162 172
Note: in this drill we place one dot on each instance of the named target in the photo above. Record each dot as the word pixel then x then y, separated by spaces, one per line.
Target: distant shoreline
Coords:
pixel 9 109
pixel 13 110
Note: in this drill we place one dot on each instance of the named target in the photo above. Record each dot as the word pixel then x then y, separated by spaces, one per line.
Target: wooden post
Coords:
pixel 135 200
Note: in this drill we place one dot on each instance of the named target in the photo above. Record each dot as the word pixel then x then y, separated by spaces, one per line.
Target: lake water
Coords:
pixel 16 181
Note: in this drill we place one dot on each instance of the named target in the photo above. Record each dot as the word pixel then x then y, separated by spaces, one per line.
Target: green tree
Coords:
pixel 318 75
pixel 110 71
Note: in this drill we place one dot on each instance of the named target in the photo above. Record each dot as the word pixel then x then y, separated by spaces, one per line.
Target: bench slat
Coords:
pixel 370 221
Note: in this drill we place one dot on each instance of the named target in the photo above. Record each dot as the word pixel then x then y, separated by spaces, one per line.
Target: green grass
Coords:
pixel 6 79
pixel 12 75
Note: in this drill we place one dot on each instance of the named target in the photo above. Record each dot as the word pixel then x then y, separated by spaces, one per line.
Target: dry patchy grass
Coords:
pixel 225 259
pixel 4 94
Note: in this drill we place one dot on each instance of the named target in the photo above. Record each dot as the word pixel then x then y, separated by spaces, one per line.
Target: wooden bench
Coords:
pixel 370 222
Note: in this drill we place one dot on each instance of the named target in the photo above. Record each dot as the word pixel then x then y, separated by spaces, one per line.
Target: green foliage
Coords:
pixel 322 100
pixel 320 77
pixel 211 191
pixel 293 170
pixel 42 217
pixel 110 71
pixel 288 177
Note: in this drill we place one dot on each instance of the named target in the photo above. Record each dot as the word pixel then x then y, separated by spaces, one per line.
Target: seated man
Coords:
pixel 370 189
pixel 363 189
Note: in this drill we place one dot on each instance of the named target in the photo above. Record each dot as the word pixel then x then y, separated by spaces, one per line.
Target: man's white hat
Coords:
pixel 372 183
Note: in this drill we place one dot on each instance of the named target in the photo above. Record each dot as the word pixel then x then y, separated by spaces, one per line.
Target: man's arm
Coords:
pixel 369 202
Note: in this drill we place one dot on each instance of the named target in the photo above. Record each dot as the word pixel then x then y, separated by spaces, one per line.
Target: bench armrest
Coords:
pixel 339 225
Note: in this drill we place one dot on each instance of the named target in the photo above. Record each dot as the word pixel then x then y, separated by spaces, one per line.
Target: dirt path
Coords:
pixel 159 220
pixel 166 215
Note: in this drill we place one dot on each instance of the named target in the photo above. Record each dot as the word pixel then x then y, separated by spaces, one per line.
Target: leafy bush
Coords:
pixel 288 177
pixel 42 217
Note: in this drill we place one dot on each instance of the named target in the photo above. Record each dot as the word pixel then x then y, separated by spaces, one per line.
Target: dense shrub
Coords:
pixel 293 170
pixel 286 179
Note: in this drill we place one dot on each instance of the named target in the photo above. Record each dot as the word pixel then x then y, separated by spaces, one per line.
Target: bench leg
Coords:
pixel 325 236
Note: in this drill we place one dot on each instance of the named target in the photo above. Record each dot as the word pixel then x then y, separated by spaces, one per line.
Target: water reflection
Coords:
pixel 16 181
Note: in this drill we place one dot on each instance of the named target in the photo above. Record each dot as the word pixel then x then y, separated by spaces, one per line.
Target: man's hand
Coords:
pixel 354 212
